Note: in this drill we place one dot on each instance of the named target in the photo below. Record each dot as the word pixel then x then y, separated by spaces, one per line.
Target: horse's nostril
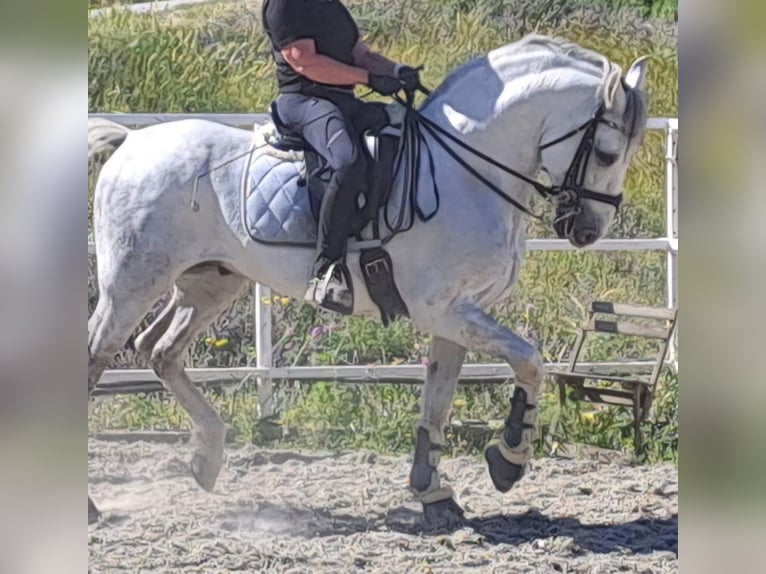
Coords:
pixel 585 236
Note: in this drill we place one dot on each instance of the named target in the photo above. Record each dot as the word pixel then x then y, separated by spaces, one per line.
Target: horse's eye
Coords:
pixel 605 157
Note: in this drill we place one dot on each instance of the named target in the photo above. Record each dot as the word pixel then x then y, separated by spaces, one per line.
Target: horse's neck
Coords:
pixel 506 119
pixel 507 131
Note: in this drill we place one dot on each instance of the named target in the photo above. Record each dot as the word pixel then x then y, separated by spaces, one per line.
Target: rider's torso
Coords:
pixel 328 22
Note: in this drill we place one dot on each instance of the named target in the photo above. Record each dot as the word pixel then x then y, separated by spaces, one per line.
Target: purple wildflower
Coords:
pixel 317 331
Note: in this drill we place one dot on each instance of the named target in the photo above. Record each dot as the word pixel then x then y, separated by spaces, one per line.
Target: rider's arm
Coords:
pixel 372 61
pixel 303 58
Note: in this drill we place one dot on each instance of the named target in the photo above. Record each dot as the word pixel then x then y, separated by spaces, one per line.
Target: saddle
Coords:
pixel 380 141
pixel 373 126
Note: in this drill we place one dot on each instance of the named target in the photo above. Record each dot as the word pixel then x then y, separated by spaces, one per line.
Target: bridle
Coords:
pixel 568 194
pixel 575 176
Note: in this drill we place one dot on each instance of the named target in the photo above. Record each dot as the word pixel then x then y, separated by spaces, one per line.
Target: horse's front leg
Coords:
pixel 471 327
pixel 444 362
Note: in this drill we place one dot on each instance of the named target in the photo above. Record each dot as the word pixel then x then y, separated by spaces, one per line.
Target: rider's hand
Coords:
pixel 410 77
pixel 384 85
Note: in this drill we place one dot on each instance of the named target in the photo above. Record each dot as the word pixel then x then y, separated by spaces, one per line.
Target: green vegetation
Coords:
pixel 214 58
pixel 107 3
pixel 645 7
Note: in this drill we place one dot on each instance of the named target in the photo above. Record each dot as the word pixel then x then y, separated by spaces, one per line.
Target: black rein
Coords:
pixel 574 177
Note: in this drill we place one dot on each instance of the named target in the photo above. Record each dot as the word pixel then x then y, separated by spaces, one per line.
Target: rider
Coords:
pixel 320 59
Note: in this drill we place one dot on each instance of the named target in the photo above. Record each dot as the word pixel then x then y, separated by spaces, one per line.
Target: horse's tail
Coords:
pixel 104 135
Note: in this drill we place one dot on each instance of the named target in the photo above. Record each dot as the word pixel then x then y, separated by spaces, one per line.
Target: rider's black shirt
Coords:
pixel 328 22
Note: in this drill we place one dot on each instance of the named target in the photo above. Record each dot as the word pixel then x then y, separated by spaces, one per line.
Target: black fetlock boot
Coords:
pixel 440 511
pixel 507 464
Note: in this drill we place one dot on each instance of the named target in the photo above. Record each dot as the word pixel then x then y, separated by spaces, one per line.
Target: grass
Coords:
pixel 214 58
pixel 106 3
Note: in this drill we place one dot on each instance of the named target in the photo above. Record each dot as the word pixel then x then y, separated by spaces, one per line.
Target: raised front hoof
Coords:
pixel 205 470
pixel 93 513
pixel 442 515
pixel 504 474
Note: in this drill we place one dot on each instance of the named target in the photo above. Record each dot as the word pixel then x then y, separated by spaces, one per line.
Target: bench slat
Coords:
pixel 633 310
pixel 630 329
pixel 597 377
pixel 606 396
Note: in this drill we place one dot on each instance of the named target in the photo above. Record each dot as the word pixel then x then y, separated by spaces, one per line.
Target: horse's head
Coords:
pixel 587 165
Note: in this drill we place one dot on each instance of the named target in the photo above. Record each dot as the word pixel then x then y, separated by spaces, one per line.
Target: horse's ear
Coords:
pixel 611 85
pixel 636 76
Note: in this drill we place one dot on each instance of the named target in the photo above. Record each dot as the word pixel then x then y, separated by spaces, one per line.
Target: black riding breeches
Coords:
pixel 328 128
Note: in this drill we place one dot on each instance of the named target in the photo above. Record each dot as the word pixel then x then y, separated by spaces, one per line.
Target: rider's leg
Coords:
pixel 326 128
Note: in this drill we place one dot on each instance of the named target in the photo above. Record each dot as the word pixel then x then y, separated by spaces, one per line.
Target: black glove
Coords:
pixel 410 77
pixel 384 85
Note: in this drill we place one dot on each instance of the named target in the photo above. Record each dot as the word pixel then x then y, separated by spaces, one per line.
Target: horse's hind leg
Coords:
pixel 200 296
pixel 118 311
pixel 444 362
pixel 148 338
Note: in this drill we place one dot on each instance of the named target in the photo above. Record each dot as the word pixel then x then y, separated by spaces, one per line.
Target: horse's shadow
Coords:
pixel 642 536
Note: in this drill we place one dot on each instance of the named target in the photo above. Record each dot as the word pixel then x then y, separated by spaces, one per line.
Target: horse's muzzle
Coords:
pixel 582 236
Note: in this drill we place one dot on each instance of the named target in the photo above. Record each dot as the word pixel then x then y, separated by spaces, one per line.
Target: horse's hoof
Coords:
pixel 93 513
pixel 443 514
pixel 208 454
pixel 205 470
pixel 504 474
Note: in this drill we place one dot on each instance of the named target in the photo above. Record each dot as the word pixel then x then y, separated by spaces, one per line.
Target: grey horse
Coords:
pixel 544 108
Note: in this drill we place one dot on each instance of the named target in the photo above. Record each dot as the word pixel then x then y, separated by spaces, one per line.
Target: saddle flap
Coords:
pixel 276 206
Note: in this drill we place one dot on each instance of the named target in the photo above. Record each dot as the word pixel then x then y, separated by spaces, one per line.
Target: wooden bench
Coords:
pixel 624 389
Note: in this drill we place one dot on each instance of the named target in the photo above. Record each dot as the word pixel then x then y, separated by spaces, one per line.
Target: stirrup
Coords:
pixel 334 291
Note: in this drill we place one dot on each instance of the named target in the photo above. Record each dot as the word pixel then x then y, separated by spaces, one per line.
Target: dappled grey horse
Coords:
pixel 534 111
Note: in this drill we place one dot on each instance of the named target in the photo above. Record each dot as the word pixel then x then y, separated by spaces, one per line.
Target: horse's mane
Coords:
pixel 559 52
pixel 564 51
pixel 565 48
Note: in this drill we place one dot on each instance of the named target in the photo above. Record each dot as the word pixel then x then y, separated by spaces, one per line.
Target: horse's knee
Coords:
pixel 530 372
pixel 537 367
pixel 163 363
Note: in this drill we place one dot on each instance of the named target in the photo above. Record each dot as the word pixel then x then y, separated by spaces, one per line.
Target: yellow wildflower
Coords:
pixel 496 425
pixel 459 403
pixel 209 340
pixel 221 343
pixel 284 300
pixel 587 417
